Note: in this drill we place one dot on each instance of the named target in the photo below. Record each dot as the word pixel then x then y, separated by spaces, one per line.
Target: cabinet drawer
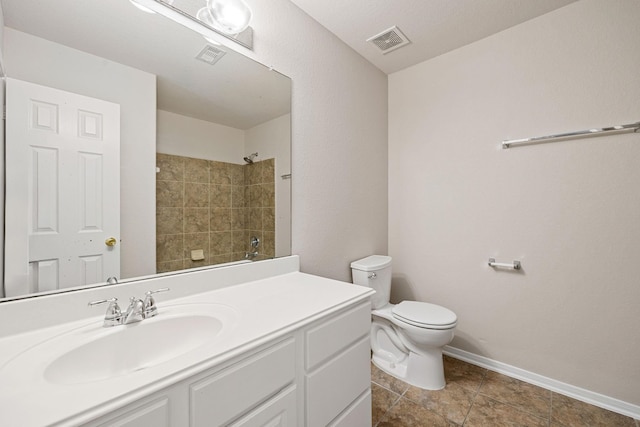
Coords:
pixel 225 395
pixel 325 340
pixel 277 412
pixel 335 385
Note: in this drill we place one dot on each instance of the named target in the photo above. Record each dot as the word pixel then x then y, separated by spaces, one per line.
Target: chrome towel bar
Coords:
pixel 632 127
pixel 516 264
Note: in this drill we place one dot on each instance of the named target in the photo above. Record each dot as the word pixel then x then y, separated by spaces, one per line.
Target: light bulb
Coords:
pixel 230 16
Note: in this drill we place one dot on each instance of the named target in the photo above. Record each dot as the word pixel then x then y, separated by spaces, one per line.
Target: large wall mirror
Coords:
pixel 135 147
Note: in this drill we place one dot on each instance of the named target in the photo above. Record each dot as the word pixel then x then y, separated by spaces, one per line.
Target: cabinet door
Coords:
pixel 357 415
pixel 152 414
pixel 220 398
pixel 334 386
pixel 278 412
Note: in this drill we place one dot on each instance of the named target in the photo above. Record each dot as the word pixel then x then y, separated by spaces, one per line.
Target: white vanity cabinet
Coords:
pixel 316 375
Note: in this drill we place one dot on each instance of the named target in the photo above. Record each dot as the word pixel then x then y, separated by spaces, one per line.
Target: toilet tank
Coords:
pixel 374 272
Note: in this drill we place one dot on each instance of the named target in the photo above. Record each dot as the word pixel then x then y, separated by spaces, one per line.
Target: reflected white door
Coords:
pixel 63 189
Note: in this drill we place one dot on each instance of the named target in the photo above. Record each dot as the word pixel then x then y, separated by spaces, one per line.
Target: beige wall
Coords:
pixel 185 136
pixel 570 211
pixel 339 139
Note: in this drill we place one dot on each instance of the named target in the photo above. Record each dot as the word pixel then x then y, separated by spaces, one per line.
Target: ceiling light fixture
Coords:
pixel 229 16
pixel 228 19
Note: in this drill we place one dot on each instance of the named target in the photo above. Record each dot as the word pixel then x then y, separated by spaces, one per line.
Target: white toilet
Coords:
pixel 407 338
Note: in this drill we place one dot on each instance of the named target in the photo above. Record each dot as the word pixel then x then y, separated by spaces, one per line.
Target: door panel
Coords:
pixel 63 189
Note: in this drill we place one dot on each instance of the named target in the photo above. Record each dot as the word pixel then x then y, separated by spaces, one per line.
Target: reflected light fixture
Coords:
pixel 204 16
pixel 229 16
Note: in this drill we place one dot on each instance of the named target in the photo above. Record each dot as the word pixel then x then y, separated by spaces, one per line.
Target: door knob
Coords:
pixel 111 241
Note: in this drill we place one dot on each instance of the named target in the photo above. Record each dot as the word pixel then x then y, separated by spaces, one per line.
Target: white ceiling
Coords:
pixel 433 26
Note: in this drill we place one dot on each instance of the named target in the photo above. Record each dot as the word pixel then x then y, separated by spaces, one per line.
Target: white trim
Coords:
pixel 577 393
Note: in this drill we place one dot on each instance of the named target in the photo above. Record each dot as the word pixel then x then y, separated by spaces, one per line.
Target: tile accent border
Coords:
pixel 587 396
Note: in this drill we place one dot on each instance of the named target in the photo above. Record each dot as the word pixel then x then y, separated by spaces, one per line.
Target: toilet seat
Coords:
pixel 424 315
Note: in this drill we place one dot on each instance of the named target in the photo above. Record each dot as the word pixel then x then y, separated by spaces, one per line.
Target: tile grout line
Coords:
pixel 550 409
pixel 520 408
pixel 473 400
pixel 390 406
pixel 386 388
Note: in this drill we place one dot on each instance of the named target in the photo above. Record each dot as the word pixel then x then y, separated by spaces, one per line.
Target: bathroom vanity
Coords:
pixel 257 344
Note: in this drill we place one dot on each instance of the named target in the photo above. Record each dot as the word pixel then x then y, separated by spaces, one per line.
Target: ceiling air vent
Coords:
pixel 389 40
pixel 210 55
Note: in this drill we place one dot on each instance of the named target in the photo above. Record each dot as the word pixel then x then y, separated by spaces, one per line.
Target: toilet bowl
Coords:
pixel 406 338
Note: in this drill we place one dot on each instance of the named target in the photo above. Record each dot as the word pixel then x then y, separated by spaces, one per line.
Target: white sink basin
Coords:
pixel 132 348
pixel 94 353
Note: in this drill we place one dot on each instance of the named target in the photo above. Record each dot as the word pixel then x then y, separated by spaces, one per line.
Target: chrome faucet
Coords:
pixel 137 311
pixel 255 242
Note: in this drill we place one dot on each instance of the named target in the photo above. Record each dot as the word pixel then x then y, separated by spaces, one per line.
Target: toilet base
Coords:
pixel 425 370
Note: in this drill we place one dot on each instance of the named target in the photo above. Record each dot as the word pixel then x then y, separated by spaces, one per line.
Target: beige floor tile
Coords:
pixel 487 412
pixel 464 374
pixel 408 414
pixel 452 402
pixel 568 412
pixel 387 381
pixel 524 396
pixel 486 398
pixel 381 400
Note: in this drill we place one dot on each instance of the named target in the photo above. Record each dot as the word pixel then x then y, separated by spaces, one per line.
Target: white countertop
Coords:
pixel 266 309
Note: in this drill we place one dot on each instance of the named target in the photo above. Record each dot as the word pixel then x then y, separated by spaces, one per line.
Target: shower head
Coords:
pixel 249 159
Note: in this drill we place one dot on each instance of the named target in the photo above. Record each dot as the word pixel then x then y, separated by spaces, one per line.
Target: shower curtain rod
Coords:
pixel 633 127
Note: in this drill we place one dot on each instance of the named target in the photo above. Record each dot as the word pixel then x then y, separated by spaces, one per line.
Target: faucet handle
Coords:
pixel 150 308
pixel 113 316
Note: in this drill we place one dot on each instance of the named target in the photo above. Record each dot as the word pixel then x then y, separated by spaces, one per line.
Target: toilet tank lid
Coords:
pixel 372 263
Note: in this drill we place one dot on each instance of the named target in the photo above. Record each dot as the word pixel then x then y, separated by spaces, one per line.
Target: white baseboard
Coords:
pixel 577 393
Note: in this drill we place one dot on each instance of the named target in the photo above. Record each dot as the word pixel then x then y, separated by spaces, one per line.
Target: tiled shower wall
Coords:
pixel 213 206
